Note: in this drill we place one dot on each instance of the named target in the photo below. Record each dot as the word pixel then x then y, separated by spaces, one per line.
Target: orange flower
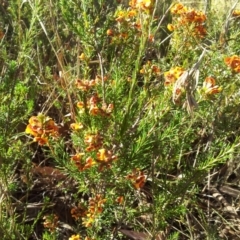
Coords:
pixel 123 35
pixel 79 162
pixel 105 156
pixel 132 13
pixel 137 178
pixel 41 140
pixel 95 208
pixel 233 62
pixel 96 204
pixel 209 86
pixel 77 159
pixel 78 212
pixel 94 99
pixel 110 32
pixel 200 31
pixel 94 141
pixel 89 163
pixel 120 200
pixel 81 107
pixel 190 17
pixel 94 110
pixel 194 16
pixel 34 127
pixel 156 70
pixel 85 85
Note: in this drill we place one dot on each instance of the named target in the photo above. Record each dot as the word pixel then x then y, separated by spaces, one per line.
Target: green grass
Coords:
pixel 114 127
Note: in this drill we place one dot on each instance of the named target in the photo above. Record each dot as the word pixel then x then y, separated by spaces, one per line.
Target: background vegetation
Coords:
pixel 119 120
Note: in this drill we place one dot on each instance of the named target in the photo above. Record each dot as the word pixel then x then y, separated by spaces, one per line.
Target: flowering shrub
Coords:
pixel 189 20
pixel 139 107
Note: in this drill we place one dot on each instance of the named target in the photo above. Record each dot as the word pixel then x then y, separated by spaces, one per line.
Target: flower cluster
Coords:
pixel 89 214
pixel 172 75
pixel 129 23
pixel 233 62
pixel 93 141
pixel 126 22
pixel 41 127
pixel 125 16
pixel 190 18
pixel 150 69
pixel 82 164
pixel 95 107
pixel 78 212
pixel 95 208
pixel 51 222
pixel 138 178
pixel 145 5
pixel 85 85
pixel 94 144
pixel 105 158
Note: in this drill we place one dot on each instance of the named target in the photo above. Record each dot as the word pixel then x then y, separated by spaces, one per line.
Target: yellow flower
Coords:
pixel 170 27
pixel 76 126
pixel 89 220
pixel 82 57
pixel 172 75
pixel 236 13
pixel 75 237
